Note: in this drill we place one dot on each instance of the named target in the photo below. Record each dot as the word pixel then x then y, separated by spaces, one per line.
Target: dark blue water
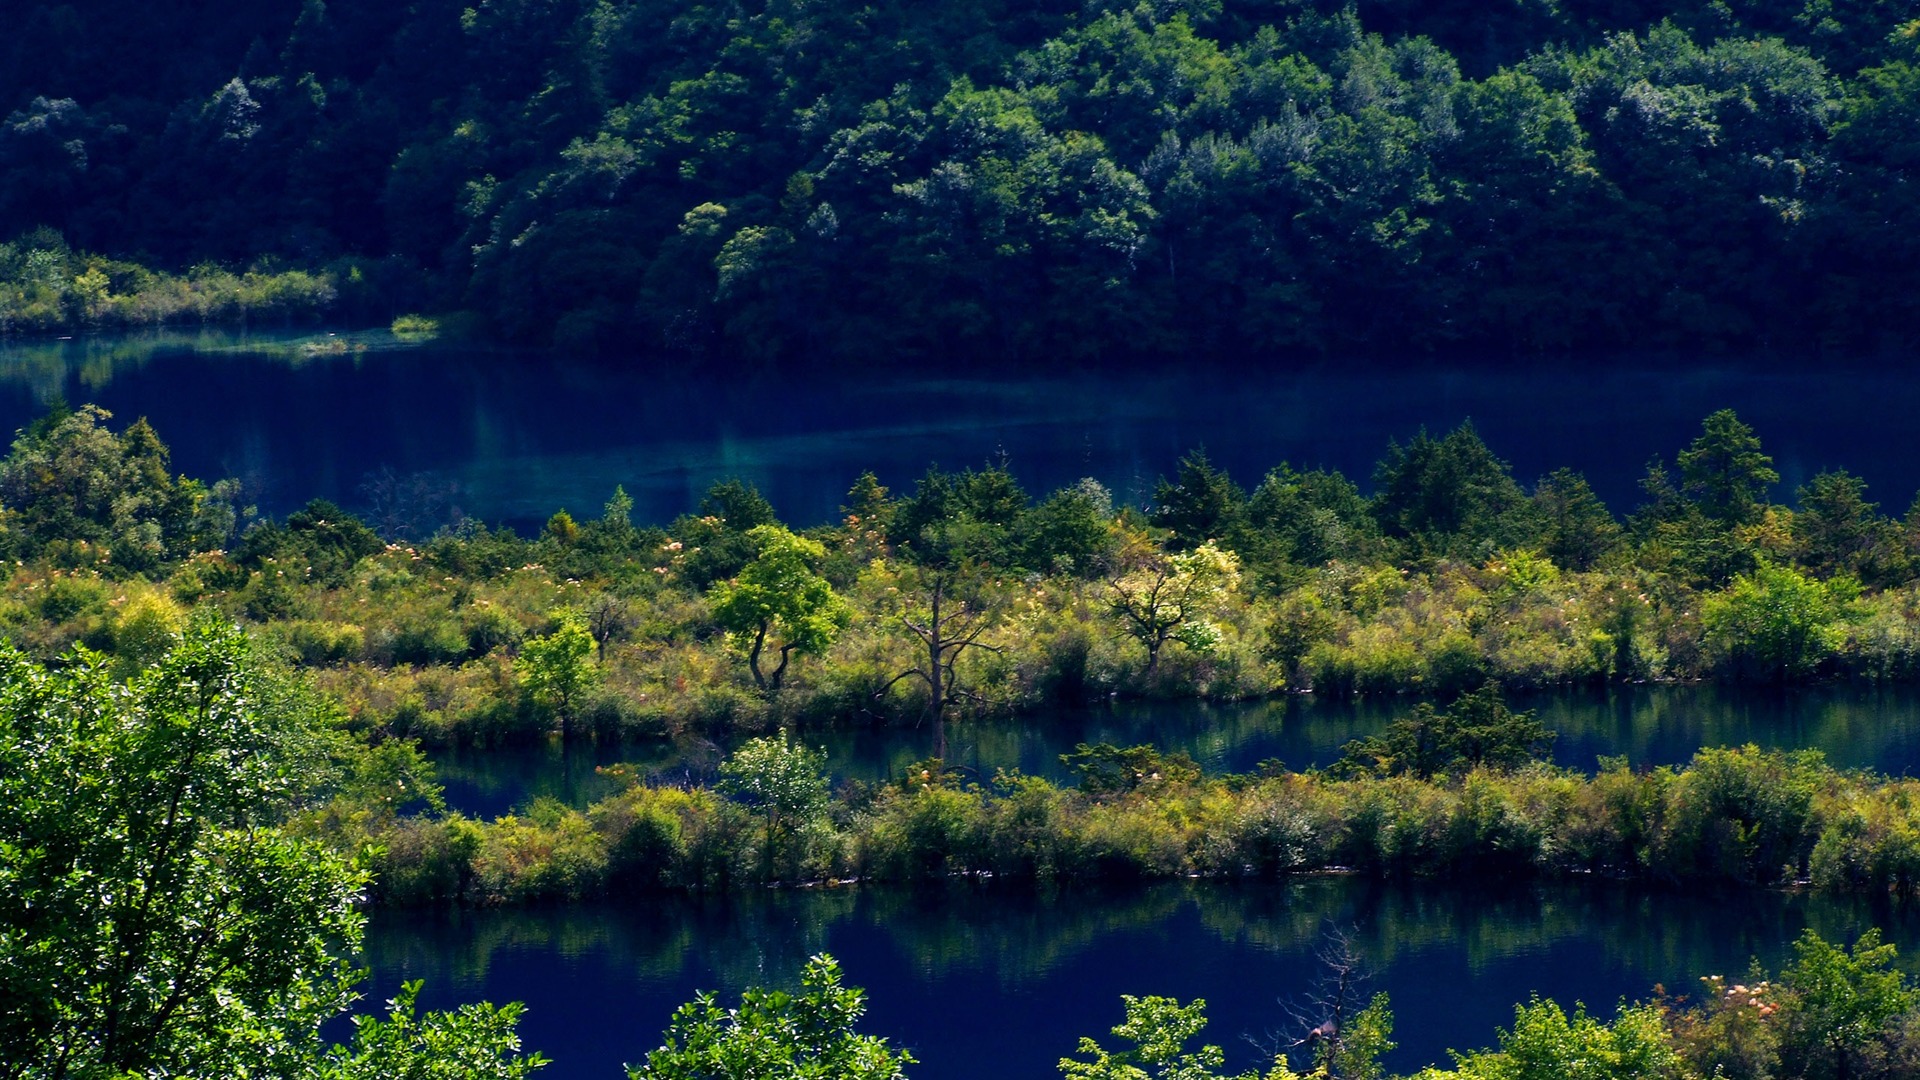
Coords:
pixel 1000 983
pixel 514 436
pixel 979 980
pixel 1856 726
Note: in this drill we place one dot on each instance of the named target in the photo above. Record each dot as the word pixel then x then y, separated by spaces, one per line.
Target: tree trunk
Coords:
pixel 753 658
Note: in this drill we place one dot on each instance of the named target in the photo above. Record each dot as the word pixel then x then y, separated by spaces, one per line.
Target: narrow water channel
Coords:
pixel 1855 726
pixel 983 980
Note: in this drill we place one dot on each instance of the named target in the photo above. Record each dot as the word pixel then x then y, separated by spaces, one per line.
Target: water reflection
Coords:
pixel 522 434
pixel 1856 726
pixel 981 980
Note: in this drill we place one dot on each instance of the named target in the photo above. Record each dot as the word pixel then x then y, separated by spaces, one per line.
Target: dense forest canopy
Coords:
pixel 1069 180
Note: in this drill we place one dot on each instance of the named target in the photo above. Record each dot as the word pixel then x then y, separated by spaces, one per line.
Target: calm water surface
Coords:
pixel 1654 725
pixel 981 981
pixel 992 981
pixel 514 436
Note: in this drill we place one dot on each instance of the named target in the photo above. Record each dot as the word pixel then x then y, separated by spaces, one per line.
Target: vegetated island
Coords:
pixel 968 597
pixel 1057 182
pixel 185 906
pixel 171 764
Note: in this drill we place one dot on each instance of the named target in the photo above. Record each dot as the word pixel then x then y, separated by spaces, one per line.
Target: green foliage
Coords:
pixel 958 517
pixel 1449 496
pixel 1045 180
pixel 70 483
pixel 1547 1044
pixel 1070 532
pixel 775 1035
pixel 1724 471
pixel 717 544
pixel 1837 531
pixel 1776 623
pixel 781 780
pixel 1743 815
pixel 1106 770
pixel 474 1042
pixel 157 918
pixel 1577 529
pixel 1159 1029
pixel 319 540
pixel 165 911
pixel 556 669
pixel 1476 731
pixel 1308 519
pixel 416 327
pixel 780 602
pixel 1160 598
pixel 1356 1053
pixel 47 286
pixel 1845 1000
pixel 1201 506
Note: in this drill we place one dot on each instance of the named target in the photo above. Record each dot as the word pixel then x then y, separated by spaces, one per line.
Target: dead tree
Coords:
pixel 1339 1028
pixel 951 626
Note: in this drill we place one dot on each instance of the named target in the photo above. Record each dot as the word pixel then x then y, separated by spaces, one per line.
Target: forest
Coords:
pixel 1066 183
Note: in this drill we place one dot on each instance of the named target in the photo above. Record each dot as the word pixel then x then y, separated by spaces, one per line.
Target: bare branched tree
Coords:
pixel 1335 1027
pixel 947 627
pixel 608 618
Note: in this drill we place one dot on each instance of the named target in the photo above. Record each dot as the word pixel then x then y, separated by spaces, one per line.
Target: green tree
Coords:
pixel 1070 532
pixel 717 544
pixel 1449 496
pixel 779 601
pixel 967 514
pixel 784 781
pixel 1577 530
pixel 1161 598
pixel 1160 1029
pixel 739 505
pixel 555 669
pixel 1837 531
pixel 1843 1002
pixel 71 479
pixel 1202 504
pixel 1547 1044
pixel 617 514
pixel 1478 729
pixel 156 916
pixel 1107 770
pixel 1725 473
pixel 1306 520
pixel 478 1041
pixel 1777 623
pixel 775 1035
pixel 319 534
pixel 156 919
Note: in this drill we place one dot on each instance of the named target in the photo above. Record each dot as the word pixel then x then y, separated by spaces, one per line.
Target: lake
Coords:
pixel 982 980
pixel 979 979
pixel 510 437
pixel 1856 726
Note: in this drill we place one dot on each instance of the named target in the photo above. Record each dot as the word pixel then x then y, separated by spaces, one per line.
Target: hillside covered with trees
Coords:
pixel 1077 181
